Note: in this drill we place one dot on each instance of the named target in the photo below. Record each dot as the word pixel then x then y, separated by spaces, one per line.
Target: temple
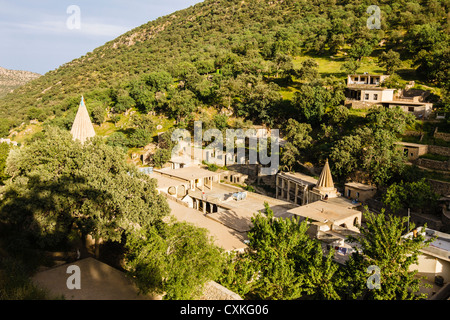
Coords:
pixel 325 185
pixel 82 128
pixel 302 189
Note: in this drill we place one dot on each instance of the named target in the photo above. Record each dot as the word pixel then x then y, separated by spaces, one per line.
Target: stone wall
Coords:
pixel 443 151
pixel 356 104
pixel 433 164
pixel 413 133
pixel 440 187
pixel 442 135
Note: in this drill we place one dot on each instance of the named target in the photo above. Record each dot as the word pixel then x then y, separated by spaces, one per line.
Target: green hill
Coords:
pixel 240 56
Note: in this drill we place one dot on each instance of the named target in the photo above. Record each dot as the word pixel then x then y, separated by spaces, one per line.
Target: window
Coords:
pixel 375 96
pixel 357 195
pixel 349 192
pixel 411 109
pixel 366 96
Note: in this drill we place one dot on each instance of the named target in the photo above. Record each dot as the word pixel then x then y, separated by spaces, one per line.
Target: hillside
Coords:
pixel 12 79
pixel 205 55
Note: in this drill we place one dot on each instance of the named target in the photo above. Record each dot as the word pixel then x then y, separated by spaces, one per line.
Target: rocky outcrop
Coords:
pixel 11 79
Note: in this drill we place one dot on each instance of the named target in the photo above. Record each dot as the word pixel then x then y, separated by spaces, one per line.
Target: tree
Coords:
pixel 283 262
pixel 98 112
pixel 360 48
pixel 139 138
pixel 308 70
pixel 275 242
pixel 158 81
pixel 4 128
pixel 283 65
pixel 350 66
pixel 142 95
pixel 257 100
pixel 394 82
pixel 380 157
pixel 298 134
pixel 123 101
pixel 118 139
pixel 384 246
pixel 313 99
pixel 174 259
pixel 298 138
pixel 344 155
pixel 394 120
pixel 59 186
pixel 4 152
pixel 390 61
pixel 239 274
pixel 182 104
pixel 142 121
pixel 417 195
pixel 160 157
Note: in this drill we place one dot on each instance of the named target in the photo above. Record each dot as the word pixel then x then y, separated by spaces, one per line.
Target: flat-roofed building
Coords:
pixel 420 109
pixel 334 212
pixel 434 261
pixel 366 79
pixel 412 150
pixel 295 187
pixel 197 177
pixel 359 191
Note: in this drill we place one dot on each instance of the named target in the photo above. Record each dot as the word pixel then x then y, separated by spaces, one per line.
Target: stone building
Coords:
pixel 367 90
pixel 303 189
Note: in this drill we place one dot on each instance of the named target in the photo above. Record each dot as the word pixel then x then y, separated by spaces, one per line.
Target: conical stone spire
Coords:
pixel 325 183
pixel 325 179
pixel 82 127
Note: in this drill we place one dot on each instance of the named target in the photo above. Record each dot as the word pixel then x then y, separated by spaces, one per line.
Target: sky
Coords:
pixel 41 35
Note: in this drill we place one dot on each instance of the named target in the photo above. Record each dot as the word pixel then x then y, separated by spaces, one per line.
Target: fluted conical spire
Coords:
pixel 325 185
pixel 325 179
pixel 82 128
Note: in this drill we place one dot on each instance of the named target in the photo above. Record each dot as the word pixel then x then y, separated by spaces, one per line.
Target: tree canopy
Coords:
pixel 58 185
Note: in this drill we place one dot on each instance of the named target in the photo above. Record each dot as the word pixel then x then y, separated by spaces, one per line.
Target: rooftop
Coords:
pixel 224 237
pixel 300 177
pixel 188 173
pixel 367 86
pixel 165 182
pixel 411 144
pixel 440 247
pixel 331 210
pixel 360 186
pixel 237 214
pixel 409 103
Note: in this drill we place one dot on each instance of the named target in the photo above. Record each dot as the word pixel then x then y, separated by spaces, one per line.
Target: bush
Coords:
pixel 118 139
pixel 161 157
pixel 139 138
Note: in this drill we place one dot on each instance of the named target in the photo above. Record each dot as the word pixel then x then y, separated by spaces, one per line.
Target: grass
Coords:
pixel 25 133
pixel 105 129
